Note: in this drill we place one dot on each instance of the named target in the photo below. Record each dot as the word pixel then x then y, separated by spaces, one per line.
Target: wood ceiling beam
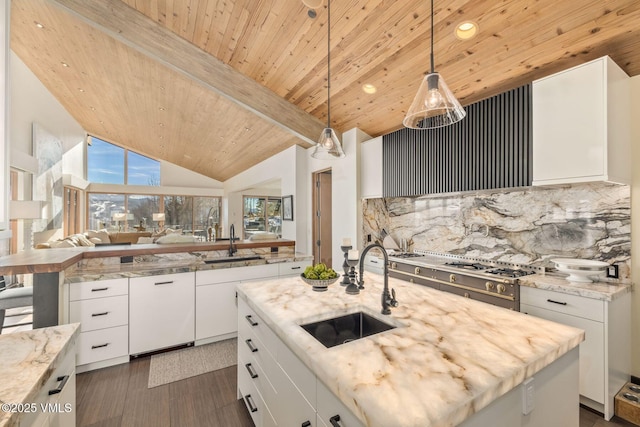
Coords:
pixel 131 27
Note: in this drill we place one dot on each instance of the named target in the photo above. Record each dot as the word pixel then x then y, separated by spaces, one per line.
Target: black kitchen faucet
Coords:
pixel 388 299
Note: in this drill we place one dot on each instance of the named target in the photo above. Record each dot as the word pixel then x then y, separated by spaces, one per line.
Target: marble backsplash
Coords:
pixel 528 226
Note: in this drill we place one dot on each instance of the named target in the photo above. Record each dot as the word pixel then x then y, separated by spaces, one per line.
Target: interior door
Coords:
pixel 322 217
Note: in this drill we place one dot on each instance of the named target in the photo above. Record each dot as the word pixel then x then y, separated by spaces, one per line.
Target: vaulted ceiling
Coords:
pixel 218 86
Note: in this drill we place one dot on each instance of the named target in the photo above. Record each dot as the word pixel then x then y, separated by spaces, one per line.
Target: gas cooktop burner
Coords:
pixel 467 265
pixel 408 255
pixel 509 272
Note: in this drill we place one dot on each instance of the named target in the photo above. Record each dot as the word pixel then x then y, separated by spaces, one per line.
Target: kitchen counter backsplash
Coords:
pixel 528 226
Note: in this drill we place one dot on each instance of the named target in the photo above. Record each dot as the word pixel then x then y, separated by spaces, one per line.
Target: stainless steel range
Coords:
pixel 491 282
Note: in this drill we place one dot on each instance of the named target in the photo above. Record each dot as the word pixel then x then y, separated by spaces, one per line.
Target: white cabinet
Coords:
pixel 282 390
pixel 371 168
pixel 161 311
pixel 291 269
pixel 55 403
pixel 581 125
pixel 216 309
pixel 605 354
pixel 102 309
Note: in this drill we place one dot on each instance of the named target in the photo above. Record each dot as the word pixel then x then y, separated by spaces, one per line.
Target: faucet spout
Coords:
pixel 388 298
pixel 232 237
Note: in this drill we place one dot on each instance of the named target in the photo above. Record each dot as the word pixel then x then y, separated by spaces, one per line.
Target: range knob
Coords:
pixel 394 265
pixel 489 286
pixel 417 270
pixel 452 278
pixel 466 295
pixel 501 288
pixel 411 281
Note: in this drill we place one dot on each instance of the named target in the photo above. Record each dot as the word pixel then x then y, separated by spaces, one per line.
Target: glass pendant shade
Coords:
pixel 328 146
pixel 434 105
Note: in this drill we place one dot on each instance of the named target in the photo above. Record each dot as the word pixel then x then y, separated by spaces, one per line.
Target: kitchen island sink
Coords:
pixel 347 328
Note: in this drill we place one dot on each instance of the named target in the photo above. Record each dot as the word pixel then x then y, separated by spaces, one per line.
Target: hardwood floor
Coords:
pixel 118 397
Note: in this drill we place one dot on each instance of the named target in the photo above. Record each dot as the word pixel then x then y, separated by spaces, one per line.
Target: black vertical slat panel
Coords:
pixel 490 148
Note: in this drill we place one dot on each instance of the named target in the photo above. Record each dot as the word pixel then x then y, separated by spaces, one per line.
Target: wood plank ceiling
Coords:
pixel 131 98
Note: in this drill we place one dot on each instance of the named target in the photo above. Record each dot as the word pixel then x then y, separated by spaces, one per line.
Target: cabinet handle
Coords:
pixel 164 283
pixel 63 382
pixel 335 421
pixel 250 320
pixel 93 347
pixel 556 302
pixel 252 406
pixel 306 424
pixel 296 268
pixel 252 372
pixel 100 314
pixel 99 289
pixel 252 347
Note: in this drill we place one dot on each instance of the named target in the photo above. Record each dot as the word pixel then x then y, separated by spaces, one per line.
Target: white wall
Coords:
pixel 635 225
pixel 346 208
pixel 176 176
pixel 283 167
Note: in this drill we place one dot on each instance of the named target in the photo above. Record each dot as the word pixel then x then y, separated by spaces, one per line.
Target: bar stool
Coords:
pixel 13 298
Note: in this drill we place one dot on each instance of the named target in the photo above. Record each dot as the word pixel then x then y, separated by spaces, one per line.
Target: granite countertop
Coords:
pixel 58 259
pixel 557 282
pixel 28 360
pixel 116 271
pixel 448 358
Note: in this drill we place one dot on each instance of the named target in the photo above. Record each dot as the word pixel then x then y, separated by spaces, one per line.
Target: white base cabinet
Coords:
pixel 276 386
pixel 581 125
pixel 161 311
pixel 102 309
pixel 605 354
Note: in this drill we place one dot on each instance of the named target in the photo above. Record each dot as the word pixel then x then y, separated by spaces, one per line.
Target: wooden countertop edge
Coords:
pixel 60 263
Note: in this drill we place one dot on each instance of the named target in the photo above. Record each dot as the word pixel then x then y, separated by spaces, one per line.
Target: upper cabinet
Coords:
pixel 581 125
pixel 371 168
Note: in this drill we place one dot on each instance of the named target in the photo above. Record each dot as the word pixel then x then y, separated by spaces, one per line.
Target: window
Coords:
pixel 106 165
pixel 131 212
pixel 262 213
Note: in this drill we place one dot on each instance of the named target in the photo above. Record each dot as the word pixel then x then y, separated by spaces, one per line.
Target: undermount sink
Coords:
pixel 347 328
pixel 232 259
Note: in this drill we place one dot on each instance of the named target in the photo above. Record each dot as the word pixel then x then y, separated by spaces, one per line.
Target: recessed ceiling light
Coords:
pixel 39 25
pixel 161 124
pixel 161 137
pixel 466 30
pixel 369 88
pixel 64 64
pixel 161 108
pixel 80 89
pixel 93 108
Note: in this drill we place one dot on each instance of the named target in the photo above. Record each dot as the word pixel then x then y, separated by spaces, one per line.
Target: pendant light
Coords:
pixel 328 146
pixel 434 105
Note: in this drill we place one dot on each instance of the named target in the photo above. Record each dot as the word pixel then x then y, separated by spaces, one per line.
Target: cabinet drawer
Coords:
pixel 186 278
pixel 254 402
pixel 100 313
pixel 292 268
pixel 102 344
pixel 297 371
pixel 236 274
pixel 248 320
pixel 563 303
pixel 251 364
pixel 98 289
pixel 329 406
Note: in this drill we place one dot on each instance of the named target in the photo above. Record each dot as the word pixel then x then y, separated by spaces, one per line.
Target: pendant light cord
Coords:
pixel 432 62
pixel 329 63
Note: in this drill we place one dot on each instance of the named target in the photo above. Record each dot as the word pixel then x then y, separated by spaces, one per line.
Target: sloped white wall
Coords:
pixel 635 224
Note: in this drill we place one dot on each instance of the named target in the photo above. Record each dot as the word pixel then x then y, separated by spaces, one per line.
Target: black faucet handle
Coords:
pixel 393 302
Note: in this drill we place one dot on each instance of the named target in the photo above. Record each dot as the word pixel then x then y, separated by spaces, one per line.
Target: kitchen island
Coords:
pixel 449 361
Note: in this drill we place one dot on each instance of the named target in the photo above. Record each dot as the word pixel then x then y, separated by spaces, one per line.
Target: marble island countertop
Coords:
pixel 28 360
pixel 448 358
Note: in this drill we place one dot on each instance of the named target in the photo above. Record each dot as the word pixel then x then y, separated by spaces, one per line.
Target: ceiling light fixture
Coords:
pixel 64 64
pixel 39 25
pixel 328 146
pixel 466 30
pixel 434 105
pixel 369 88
